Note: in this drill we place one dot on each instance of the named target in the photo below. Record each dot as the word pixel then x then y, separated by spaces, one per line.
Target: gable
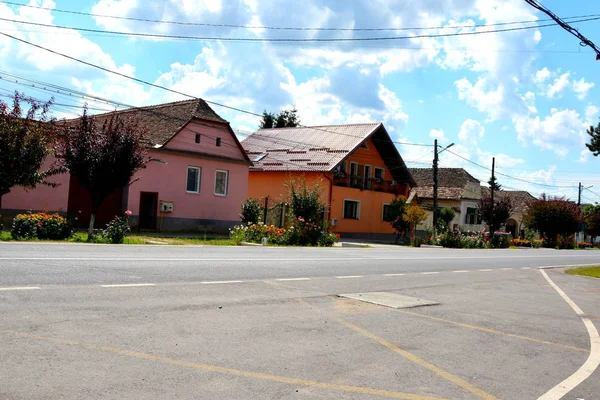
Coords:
pixel 214 139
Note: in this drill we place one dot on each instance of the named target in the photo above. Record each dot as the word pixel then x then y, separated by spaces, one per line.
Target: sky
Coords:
pixel 525 97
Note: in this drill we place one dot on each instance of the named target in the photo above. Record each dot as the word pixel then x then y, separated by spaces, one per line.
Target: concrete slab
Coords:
pixel 387 299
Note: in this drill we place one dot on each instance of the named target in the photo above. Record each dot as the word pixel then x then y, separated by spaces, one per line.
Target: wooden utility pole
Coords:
pixel 435 184
pixel 579 195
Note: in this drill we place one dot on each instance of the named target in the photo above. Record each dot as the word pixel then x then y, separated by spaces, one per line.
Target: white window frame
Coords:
pixel 198 180
pixel 383 210
pixel 344 209
pixel 382 172
pixel 226 182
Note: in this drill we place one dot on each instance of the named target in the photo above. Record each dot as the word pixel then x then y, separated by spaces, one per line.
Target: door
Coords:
pixel 148 208
pixel 368 181
pixel 354 179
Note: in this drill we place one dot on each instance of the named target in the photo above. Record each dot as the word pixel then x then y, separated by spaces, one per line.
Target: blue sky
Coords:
pixel 524 97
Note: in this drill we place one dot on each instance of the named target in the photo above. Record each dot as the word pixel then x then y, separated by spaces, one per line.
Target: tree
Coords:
pixel 496 213
pixel 494 185
pixel 395 217
pixel 103 159
pixel 594 145
pixel 553 216
pixel 414 216
pixel 284 119
pixel 267 121
pixel 591 219
pixel 26 138
pixel 445 216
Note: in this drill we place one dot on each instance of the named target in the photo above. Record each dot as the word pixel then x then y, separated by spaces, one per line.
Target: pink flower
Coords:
pixel 128 212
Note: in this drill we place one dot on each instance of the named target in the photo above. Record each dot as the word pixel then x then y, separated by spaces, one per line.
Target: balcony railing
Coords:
pixel 371 184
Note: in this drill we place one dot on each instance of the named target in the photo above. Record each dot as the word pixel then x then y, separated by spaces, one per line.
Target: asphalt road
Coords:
pixel 157 322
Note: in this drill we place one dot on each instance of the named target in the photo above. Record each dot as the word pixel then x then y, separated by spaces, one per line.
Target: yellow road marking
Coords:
pixel 230 371
pixel 411 357
pixel 480 328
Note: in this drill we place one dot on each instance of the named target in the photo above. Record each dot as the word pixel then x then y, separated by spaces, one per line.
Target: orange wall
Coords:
pixel 368 157
pixel 272 184
pixel 371 210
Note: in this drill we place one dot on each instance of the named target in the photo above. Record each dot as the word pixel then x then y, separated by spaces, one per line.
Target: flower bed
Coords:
pixel 41 226
pixel 585 245
pixel 299 233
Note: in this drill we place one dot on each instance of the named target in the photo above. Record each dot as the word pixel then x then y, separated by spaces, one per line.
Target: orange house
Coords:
pixel 357 167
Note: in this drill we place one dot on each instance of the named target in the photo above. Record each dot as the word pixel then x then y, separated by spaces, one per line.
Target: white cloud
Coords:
pixel 471 131
pixel 559 85
pixel 585 156
pixel 495 99
pixel 591 114
pixel 581 87
pixel 541 75
pixel 502 160
pixel 437 134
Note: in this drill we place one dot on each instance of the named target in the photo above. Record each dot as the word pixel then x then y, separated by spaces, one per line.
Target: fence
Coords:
pixel 280 214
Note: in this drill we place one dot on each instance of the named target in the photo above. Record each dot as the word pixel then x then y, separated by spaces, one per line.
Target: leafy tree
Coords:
pixel 594 145
pixel 251 210
pixel 553 216
pixel 103 158
pixel 496 213
pixel 25 140
pixel 591 219
pixel 445 216
pixel 267 121
pixel 284 119
pixel 395 216
pixel 414 216
pixel 494 185
pixel 305 200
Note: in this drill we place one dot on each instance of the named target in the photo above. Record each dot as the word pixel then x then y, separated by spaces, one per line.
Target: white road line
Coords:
pixel 526 268
pixel 6 289
pixel 129 285
pixel 394 274
pixel 460 271
pixel 486 270
pixel 429 273
pixel 292 279
pixel 349 276
pixel 505 269
pixel 219 282
pixel 592 362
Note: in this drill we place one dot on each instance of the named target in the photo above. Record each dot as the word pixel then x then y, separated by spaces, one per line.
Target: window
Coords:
pixel 472 217
pixel 218 142
pixel 341 167
pixel 379 174
pixel 385 214
pixel 197 140
pixel 221 181
pixel 364 145
pixel 193 179
pixel 351 209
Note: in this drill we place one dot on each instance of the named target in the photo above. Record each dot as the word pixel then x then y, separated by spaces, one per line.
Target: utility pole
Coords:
pixel 579 195
pixel 435 184
pixel 492 227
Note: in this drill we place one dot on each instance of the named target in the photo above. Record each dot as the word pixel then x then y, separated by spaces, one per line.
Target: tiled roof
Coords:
pixel 320 148
pixel 446 193
pixel 162 121
pixel 447 177
pixel 520 199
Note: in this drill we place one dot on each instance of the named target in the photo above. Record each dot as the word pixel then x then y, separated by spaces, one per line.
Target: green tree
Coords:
pixel 395 217
pixel 494 185
pixel 251 210
pixel 284 119
pixel 591 219
pixel 495 213
pixel 415 214
pixel 26 138
pixel 553 216
pixel 103 158
pixel 267 121
pixel 445 216
pixel 594 145
pixel 305 200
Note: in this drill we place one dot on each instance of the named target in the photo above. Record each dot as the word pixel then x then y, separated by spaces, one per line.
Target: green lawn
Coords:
pixel 82 237
pixel 594 272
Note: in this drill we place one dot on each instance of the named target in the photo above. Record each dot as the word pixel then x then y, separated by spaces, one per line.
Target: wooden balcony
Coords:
pixel 370 184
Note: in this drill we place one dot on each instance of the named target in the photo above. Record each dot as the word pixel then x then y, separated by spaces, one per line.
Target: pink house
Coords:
pixel 197 178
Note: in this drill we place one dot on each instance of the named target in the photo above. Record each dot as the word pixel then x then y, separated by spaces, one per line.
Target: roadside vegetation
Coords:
pixel 593 272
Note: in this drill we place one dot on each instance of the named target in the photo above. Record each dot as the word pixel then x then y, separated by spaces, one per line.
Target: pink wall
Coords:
pixel 170 179
pixel 185 140
pixel 44 198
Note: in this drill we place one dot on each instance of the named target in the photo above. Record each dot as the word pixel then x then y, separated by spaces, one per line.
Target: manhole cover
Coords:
pixel 389 299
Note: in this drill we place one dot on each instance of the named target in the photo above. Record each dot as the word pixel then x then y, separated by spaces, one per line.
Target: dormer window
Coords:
pixel 363 145
pixel 218 142
pixel 197 139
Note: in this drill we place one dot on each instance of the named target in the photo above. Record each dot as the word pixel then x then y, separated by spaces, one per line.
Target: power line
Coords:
pixel 320 40
pixel 508 176
pixel 279 27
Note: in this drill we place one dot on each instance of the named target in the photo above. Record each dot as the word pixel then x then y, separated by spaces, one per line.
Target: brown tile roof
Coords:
pixel 162 121
pixel 320 148
pixel 447 177
pixel 520 199
pixel 446 193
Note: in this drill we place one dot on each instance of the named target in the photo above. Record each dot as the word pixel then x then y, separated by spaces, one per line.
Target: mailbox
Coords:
pixel 166 206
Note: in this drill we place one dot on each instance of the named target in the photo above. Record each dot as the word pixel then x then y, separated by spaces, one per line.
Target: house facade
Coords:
pixel 456 189
pixel 196 178
pixel 520 201
pixel 357 168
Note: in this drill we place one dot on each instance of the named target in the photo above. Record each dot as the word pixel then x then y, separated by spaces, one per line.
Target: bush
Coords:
pixel 251 210
pixel 520 243
pixel 585 245
pixel 300 233
pixel 501 240
pixel 451 239
pixel 537 243
pixel 116 230
pixel 41 226
pixel 305 201
pixel 565 243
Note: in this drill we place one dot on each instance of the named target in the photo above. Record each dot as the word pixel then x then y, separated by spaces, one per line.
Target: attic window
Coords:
pixel 363 145
pixel 218 142
pixel 197 140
